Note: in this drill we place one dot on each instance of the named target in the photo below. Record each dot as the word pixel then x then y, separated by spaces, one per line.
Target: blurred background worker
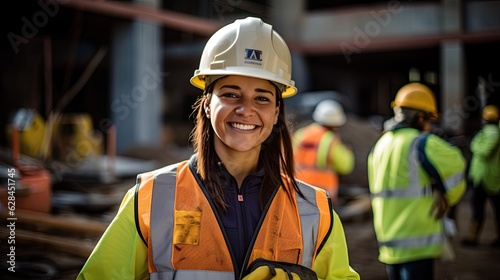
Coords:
pixel 484 172
pixel 414 176
pixel 320 155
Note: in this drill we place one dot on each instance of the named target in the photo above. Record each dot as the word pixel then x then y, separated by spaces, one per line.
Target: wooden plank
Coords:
pixel 356 208
pixel 49 221
pixel 72 246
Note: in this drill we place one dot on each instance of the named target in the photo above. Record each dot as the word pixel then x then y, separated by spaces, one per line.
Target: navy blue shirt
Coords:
pixel 243 214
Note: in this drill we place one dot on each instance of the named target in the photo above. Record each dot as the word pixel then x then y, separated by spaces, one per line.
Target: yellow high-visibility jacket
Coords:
pixel 485 163
pixel 402 166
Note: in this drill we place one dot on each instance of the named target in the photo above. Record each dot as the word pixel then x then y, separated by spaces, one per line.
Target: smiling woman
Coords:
pixel 234 210
pixel 243 113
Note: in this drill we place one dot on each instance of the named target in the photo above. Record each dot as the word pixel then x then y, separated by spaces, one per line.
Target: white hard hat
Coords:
pixel 330 113
pixel 246 47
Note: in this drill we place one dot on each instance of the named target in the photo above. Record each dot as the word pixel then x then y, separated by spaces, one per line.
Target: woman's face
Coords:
pixel 242 111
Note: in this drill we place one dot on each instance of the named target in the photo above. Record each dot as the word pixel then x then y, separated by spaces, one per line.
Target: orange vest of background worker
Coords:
pixel 320 155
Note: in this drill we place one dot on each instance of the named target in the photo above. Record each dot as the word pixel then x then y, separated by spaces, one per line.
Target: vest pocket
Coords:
pixel 288 251
pixel 285 250
pixel 187 227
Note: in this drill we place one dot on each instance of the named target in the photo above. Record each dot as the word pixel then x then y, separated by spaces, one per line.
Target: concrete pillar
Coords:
pixel 453 101
pixel 137 84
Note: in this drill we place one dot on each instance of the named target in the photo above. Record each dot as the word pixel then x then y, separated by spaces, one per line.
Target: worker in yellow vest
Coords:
pixel 234 209
pixel 320 154
pixel 484 172
pixel 414 177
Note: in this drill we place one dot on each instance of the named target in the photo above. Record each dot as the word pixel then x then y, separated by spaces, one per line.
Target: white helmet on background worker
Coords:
pixel 247 47
pixel 329 113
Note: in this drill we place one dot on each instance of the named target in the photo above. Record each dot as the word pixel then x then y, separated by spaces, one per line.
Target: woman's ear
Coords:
pixel 206 107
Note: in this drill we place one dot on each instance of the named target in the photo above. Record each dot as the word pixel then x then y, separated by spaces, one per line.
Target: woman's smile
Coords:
pixel 240 126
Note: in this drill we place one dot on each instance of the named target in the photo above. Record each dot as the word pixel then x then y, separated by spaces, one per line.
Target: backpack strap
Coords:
pixel 437 182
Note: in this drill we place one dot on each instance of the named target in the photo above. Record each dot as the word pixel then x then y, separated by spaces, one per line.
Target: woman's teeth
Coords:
pixel 243 126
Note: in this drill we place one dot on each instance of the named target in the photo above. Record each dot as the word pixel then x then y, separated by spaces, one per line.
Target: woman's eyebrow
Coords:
pixel 260 90
pixel 231 87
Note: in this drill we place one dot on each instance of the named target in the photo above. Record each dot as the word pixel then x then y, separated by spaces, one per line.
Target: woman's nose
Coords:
pixel 244 108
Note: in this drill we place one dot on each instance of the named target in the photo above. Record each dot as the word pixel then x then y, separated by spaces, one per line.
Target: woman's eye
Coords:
pixel 229 94
pixel 262 98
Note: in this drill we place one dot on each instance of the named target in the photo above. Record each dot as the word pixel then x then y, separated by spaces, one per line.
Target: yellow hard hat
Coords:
pixel 246 47
pixel 31 127
pixel 490 113
pixel 417 96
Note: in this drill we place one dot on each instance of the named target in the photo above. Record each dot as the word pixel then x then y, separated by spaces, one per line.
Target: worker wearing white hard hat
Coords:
pixel 234 209
pixel 320 154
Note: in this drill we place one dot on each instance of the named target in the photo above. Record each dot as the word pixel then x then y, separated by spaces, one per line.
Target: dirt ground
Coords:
pixel 481 262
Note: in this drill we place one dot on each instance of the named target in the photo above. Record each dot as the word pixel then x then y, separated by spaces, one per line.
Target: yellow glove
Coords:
pixel 262 269
pixel 268 273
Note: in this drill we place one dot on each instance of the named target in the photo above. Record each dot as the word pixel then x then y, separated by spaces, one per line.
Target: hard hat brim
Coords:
pixel 199 81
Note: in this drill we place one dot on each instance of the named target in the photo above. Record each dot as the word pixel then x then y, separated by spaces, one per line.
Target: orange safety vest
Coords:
pixel 183 233
pixel 312 161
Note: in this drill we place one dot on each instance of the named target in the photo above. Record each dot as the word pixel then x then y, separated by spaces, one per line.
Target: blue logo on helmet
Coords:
pixel 253 55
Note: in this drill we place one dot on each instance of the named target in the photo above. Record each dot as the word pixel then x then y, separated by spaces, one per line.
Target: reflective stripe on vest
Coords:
pixel 172 217
pixel 416 191
pixel 453 181
pixel 161 210
pixel 413 242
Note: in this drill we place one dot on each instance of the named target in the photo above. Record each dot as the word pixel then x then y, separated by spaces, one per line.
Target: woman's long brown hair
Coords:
pixel 276 155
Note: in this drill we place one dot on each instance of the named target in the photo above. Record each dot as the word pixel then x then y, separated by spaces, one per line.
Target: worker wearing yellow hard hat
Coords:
pixel 484 172
pixel 414 177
